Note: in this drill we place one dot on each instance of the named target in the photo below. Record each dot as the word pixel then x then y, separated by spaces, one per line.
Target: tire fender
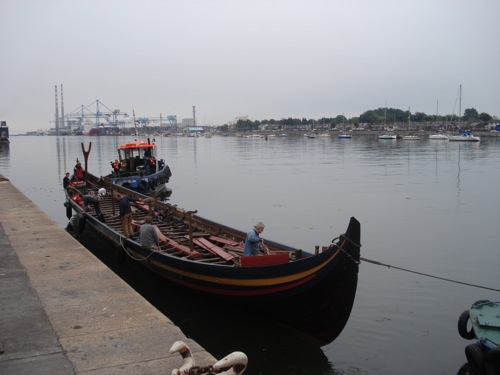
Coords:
pixel 492 361
pixel 143 185
pixel 475 357
pixel 462 326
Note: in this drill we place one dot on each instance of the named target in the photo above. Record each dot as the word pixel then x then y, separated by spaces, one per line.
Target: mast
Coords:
pixel 409 114
pixel 437 110
pixel 460 105
pixel 385 113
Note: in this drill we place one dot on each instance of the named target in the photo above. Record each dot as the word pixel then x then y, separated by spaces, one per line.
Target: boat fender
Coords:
pixel 69 212
pixel 475 357
pixel 492 361
pixel 462 326
pixel 152 183
pixel 126 185
pixel 143 185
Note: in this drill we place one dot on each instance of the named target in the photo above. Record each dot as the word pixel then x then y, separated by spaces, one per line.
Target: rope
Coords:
pixel 337 244
pixel 426 274
pixel 122 245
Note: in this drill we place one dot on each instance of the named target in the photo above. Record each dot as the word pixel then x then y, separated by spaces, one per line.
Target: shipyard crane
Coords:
pixel 97 117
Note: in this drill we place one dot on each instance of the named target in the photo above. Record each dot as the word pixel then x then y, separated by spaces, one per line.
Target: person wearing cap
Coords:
pixel 253 243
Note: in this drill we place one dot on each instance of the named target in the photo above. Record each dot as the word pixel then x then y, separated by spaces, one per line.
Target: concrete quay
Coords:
pixel 62 311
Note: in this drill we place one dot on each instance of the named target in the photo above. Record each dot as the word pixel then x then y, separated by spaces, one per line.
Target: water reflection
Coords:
pixel 458 176
pixel 426 206
pixel 4 152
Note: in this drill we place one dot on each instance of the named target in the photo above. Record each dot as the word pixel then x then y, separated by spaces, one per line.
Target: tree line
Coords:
pixel 373 116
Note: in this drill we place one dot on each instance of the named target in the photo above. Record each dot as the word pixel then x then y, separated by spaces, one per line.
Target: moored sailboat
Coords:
pixel 464 134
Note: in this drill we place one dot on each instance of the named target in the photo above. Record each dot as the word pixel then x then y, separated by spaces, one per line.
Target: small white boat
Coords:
pixel 464 136
pixel 387 136
pixel 344 136
pixel 441 137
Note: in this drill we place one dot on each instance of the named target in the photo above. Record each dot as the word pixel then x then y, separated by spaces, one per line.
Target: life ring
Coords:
pixel 143 185
pixel 475 357
pixel 462 326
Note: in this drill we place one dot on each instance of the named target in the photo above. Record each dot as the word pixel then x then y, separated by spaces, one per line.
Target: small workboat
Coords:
pixel 4 132
pixel 482 323
pixel 137 168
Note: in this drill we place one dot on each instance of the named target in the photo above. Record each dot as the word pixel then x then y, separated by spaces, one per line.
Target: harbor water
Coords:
pixel 427 206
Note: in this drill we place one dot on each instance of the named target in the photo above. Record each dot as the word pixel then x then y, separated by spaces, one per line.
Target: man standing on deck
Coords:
pixel 126 214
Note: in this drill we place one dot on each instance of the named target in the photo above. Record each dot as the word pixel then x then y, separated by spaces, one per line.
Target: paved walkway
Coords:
pixel 62 311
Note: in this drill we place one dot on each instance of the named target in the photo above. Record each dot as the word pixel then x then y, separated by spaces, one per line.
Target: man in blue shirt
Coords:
pixel 253 242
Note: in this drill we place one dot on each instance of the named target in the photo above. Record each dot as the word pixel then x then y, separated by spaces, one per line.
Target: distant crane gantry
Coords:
pixel 98 115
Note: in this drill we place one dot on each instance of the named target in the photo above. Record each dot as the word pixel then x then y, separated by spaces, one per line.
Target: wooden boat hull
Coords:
pixel 314 293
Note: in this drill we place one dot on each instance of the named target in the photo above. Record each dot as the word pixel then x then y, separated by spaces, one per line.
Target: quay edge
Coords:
pixel 62 311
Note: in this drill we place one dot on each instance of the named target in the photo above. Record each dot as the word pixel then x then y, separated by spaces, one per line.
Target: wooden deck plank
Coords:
pixel 214 249
pixel 226 241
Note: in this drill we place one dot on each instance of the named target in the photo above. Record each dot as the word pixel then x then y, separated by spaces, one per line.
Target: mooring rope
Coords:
pixel 122 245
pixel 428 275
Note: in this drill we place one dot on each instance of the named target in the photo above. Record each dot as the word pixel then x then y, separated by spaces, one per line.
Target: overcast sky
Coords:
pixel 264 59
